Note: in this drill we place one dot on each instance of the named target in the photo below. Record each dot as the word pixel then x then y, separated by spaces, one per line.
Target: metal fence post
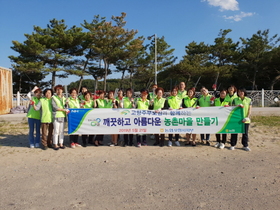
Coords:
pixel 262 97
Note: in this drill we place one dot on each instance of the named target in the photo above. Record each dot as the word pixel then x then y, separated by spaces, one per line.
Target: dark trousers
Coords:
pixel 207 137
pixel 159 139
pixel 74 139
pixel 170 136
pixel 128 139
pixel 224 137
pixel 99 137
pixel 245 138
pixel 144 137
pixel 84 139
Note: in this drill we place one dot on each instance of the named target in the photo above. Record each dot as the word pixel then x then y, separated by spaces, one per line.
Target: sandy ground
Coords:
pixel 151 177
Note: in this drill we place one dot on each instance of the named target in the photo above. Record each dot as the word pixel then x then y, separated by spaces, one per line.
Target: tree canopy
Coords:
pixel 100 47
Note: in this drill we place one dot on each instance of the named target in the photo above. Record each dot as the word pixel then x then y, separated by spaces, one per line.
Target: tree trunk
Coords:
pixel 276 79
pixel 95 85
pixel 82 77
pixel 53 78
pixel 19 86
pixel 105 75
pixel 122 79
pixel 80 83
pixel 130 79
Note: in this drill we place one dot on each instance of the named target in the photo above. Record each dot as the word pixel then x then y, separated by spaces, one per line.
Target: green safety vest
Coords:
pixel 182 94
pixel 246 102
pixel 109 103
pixel 158 103
pixel 74 103
pixel 32 113
pixel 89 104
pixel 144 105
pixel 190 102
pixel 204 101
pixel 152 95
pixel 81 97
pixel 174 102
pixel 101 103
pixel 60 102
pixel 118 99
pixel 46 106
pixel 231 98
pixel 217 102
pixel 127 104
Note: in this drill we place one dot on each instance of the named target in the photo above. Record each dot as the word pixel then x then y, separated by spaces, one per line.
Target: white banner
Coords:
pixel 135 121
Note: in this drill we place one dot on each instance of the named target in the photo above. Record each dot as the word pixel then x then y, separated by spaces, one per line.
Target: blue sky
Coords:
pixel 179 21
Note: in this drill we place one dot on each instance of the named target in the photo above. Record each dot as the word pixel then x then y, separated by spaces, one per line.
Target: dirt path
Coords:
pixel 150 177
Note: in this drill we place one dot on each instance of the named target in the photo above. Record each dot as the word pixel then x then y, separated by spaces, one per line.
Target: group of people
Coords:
pixel 49 112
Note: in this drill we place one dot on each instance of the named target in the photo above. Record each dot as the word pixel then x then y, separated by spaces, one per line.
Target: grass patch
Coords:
pixel 272 121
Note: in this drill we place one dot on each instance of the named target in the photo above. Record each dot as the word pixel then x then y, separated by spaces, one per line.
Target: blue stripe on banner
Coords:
pixel 74 122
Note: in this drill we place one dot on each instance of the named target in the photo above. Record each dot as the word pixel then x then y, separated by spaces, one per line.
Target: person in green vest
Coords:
pixel 244 102
pixel 45 107
pixel 88 103
pixel 112 103
pixel 158 104
pixel 34 119
pixel 81 95
pixel 120 98
pixel 182 93
pixel 143 104
pixel 128 103
pixel 231 93
pixel 173 102
pixel 190 101
pixel 73 102
pixel 59 115
pixel 101 102
pixel 205 100
pixel 221 101
pixel 152 95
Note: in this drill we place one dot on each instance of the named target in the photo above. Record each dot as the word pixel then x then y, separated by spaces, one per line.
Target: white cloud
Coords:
pixel 239 16
pixel 224 4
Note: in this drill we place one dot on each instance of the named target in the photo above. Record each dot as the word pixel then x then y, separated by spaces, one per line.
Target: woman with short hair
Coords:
pixel 73 102
pixel 158 104
pixel 34 119
pixel 45 107
pixel 190 101
pixel 88 103
pixel 59 115
pixel 173 102
pixel 246 103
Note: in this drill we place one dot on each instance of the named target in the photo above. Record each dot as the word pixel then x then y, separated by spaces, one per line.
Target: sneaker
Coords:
pixel 169 143
pixel 207 143
pixel 72 145
pixel 139 144
pixel 217 145
pixel 247 149
pixel 32 146
pixel 37 145
pixel 77 145
pixel 177 143
pixel 231 148
pixel 222 146
pixel 111 145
